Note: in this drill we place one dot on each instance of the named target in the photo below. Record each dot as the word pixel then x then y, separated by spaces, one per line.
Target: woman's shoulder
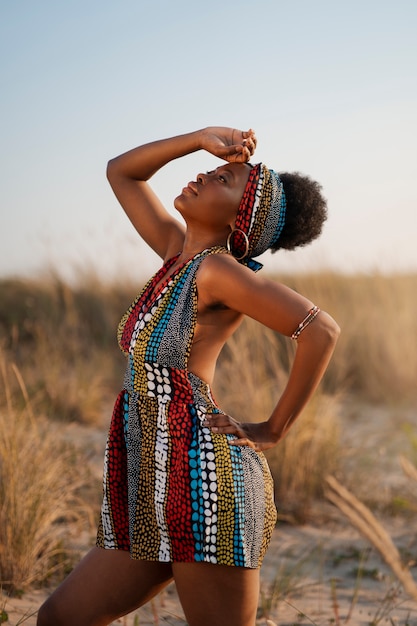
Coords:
pixel 220 273
pixel 218 260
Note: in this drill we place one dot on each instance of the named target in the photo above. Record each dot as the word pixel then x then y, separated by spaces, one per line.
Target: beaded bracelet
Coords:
pixel 306 321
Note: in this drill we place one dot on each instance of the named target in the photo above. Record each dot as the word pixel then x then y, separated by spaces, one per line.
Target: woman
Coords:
pixel 187 491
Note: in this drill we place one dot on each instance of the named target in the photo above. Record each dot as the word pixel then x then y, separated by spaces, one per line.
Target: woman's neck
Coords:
pixel 197 242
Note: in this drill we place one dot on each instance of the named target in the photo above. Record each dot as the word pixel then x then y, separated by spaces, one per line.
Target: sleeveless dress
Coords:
pixel 172 490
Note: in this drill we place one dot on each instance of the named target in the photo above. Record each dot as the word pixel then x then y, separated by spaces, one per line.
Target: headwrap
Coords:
pixel 260 216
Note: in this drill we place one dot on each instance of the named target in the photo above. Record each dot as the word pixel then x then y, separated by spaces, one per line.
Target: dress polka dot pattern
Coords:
pixel 172 490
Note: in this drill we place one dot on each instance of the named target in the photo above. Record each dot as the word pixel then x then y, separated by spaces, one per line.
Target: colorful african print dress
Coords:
pixel 173 490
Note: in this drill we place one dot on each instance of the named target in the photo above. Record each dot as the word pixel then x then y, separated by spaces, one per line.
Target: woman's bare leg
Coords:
pixel 104 586
pixel 217 594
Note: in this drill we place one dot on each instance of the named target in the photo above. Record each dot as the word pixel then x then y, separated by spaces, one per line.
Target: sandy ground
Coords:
pixel 320 573
pixel 311 575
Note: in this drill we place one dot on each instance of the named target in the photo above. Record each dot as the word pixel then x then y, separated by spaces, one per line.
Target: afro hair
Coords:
pixel 305 213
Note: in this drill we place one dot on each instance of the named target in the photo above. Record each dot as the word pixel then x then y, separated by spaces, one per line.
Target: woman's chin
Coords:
pixel 179 203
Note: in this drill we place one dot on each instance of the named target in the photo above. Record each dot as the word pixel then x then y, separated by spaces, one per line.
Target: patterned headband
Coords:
pixel 260 217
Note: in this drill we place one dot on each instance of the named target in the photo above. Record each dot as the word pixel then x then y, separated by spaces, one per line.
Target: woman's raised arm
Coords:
pixel 128 175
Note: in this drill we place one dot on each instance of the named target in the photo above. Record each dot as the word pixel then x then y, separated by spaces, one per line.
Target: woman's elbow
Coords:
pixel 111 169
pixel 329 328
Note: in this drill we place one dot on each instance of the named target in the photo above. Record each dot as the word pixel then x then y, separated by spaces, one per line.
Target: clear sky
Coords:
pixel 330 88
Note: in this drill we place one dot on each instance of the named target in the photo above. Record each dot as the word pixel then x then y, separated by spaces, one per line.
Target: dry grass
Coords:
pixel 39 482
pixel 362 518
pixel 62 340
pixel 301 461
pixel 376 356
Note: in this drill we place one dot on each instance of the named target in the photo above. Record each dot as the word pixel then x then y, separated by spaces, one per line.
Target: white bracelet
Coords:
pixel 306 321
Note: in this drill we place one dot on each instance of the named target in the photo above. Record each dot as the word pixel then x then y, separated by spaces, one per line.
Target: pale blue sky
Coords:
pixel 329 87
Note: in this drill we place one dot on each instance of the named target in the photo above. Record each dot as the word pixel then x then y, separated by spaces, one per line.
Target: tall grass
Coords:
pixel 63 339
pixel 39 483
pixel 62 342
pixel 376 356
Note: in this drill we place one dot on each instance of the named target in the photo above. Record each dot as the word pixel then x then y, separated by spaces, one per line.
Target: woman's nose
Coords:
pixel 201 178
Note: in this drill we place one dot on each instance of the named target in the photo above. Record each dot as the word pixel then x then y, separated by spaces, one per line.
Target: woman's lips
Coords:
pixel 191 188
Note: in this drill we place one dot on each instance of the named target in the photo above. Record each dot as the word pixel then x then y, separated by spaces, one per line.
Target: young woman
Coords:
pixel 187 492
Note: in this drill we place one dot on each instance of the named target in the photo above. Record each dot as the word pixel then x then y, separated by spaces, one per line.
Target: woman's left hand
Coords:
pixel 256 436
pixel 230 144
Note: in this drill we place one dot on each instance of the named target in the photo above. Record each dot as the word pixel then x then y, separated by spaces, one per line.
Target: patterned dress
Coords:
pixel 174 491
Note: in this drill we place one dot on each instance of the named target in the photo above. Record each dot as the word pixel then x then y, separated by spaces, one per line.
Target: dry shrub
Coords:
pixel 363 519
pixel 300 462
pixel 376 356
pixel 252 373
pixel 39 484
pixel 63 340
pixel 69 386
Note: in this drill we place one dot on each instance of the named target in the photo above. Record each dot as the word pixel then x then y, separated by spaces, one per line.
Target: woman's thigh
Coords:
pixel 104 586
pixel 217 594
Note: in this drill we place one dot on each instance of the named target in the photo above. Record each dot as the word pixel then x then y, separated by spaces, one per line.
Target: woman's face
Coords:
pixel 214 197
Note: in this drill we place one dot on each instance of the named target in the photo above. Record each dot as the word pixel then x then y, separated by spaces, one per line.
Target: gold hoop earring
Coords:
pixel 229 247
